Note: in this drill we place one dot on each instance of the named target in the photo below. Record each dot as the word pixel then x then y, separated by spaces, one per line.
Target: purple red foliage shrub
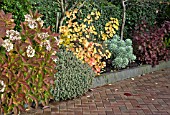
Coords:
pixel 148 43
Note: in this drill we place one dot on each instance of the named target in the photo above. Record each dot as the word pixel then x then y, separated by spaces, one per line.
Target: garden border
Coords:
pixel 112 77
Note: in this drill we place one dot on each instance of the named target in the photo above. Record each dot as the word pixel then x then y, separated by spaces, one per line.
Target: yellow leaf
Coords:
pixel 115 26
pixel 75 10
pixel 107 24
pixel 87 36
pixel 68 14
pixel 85 20
pixel 88 17
pixel 92 13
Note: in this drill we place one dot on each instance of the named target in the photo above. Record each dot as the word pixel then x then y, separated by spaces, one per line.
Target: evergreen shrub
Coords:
pixel 73 78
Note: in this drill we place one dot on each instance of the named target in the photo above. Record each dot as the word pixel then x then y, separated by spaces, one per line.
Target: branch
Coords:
pixel 62 6
pixel 64 17
pixel 57 21
pixel 123 18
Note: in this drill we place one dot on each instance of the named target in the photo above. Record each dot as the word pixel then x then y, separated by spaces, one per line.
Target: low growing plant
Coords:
pixel 27 68
pixel 148 43
pixel 73 78
pixel 121 50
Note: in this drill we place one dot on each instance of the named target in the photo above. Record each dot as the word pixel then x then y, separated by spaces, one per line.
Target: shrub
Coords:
pixel 137 10
pixel 104 7
pixel 6 23
pixel 73 78
pixel 122 51
pixel 77 36
pixel 163 12
pixel 27 67
pixel 148 43
pixel 49 9
pixel 18 8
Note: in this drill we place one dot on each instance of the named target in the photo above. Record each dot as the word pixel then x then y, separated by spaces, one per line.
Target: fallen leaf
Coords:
pixel 127 94
pixel 138 106
pixel 45 107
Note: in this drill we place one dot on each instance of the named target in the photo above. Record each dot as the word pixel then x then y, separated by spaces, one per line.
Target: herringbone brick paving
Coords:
pixel 143 95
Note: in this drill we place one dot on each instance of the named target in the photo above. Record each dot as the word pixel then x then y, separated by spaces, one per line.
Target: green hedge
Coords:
pixel 137 10
pixel 49 9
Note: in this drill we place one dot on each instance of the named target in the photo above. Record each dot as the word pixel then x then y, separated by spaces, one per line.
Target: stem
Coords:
pixel 123 18
pixel 64 17
pixel 57 21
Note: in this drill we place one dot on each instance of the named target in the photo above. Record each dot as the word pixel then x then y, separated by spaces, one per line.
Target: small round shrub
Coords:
pixel 73 78
pixel 122 51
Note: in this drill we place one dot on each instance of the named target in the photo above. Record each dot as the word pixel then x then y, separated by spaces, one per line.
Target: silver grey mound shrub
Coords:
pixel 73 78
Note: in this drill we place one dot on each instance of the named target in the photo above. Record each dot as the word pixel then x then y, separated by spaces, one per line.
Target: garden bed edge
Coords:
pixel 108 78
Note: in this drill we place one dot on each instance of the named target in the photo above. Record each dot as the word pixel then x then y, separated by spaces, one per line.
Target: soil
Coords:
pixel 110 68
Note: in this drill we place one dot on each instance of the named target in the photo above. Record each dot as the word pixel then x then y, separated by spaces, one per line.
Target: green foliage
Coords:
pixel 163 12
pixel 167 42
pixel 49 9
pixel 27 67
pixel 151 11
pixel 106 9
pixel 18 8
pixel 122 51
pixel 73 77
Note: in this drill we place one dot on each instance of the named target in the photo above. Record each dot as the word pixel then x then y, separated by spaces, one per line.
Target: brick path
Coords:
pixel 145 95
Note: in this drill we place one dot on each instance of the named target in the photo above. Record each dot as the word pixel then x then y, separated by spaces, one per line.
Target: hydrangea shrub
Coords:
pixel 121 50
pixel 73 78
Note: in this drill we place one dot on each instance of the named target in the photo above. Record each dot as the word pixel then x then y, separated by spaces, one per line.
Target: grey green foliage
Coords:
pixel 73 78
pixel 122 51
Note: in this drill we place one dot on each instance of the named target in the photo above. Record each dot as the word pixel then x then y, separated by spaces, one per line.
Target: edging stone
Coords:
pixel 112 77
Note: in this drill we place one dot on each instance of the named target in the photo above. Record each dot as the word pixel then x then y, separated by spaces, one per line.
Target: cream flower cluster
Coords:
pixel 46 43
pixel 32 23
pixel 30 51
pixel 7 44
pixel 13 35
pixel 2 88
pixel 43 35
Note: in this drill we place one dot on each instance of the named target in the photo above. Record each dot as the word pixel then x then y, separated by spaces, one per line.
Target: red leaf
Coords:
pixel 35 99
pixel 1 41
pixel 16 110
pixel 37 40
pixel 25 84
pixel 138 106
pixel 21 107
